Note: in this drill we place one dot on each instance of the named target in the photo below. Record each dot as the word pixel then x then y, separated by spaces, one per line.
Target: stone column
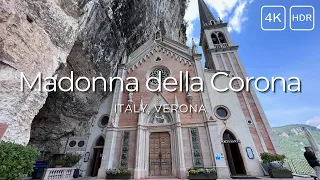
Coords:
pixel 221 165
pixel 139 169
pixel 182 172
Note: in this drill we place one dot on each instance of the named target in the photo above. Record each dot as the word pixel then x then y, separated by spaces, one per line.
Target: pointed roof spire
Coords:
pixel 194 47
pixel 206 16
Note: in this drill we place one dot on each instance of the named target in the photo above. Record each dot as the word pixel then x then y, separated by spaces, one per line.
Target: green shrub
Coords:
pixel 268 157
pixel 118 172
pixel 69 160
pixel 16 160
pixel 200 170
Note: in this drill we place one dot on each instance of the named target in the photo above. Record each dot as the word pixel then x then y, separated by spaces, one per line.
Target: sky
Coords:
pixel 270 54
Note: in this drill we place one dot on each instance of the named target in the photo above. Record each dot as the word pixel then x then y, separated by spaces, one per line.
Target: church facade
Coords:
pixel 228 136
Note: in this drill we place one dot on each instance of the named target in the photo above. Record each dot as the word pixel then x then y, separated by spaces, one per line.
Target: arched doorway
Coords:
pixel 97 156
pixel 233 154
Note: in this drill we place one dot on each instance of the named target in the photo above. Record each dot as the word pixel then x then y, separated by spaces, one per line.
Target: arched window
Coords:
pixel 155 73
pixel 222 38
pixel 227 135
pixel 100 141
pixel 214 38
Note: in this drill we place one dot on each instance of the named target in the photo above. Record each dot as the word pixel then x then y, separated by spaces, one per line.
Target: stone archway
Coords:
pixel 233 154
pixel 159 126
pixel 97 156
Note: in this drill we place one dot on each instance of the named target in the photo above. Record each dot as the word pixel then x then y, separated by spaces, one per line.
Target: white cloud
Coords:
pixel 189 34
pixel 314 122
pixel 231 11
pixel 282 113
pixel 238 19
pixel 192 12
pixel 222 7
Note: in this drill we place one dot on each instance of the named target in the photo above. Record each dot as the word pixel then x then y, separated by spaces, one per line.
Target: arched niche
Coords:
pixel 95 157
pixel 100 141
pixel 227 135
pixel 222 38
pixel 233 154
pixel 159 117
pixel 214 38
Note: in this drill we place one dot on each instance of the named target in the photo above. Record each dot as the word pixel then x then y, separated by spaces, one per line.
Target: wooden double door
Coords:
pixel 160 161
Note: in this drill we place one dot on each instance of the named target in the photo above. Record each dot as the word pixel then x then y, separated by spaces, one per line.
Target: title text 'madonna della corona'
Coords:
pixel 170 84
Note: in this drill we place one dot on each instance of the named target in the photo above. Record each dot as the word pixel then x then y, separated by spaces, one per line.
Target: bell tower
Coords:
pixel 221 55
pixel 214 37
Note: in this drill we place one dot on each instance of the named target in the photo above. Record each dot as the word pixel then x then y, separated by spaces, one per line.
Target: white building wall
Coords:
pixel 96 132
pixel 236 123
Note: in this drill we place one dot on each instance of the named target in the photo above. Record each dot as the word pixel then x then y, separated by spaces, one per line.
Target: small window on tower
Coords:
pixel 222 38
pixel 214 38
pixel 212 22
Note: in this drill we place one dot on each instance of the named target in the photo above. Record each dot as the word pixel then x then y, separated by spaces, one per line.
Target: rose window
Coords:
pixel 164 72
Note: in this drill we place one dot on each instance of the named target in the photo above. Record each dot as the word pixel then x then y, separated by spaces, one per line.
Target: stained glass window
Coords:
pixel 125 149
pixel 164 72
pixel 196 155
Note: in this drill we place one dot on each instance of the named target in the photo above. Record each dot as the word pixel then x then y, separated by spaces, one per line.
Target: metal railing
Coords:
pixel 300 166
pixel 220 46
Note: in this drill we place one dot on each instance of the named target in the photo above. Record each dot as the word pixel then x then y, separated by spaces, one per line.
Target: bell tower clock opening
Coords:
pixel 214 37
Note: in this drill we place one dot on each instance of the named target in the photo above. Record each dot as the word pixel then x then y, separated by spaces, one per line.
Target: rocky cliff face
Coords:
pixel 88 37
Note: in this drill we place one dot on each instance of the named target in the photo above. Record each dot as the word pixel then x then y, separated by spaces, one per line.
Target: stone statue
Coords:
pixel 158 34
pixel 189 93
pixel 159 118
pixel 130 97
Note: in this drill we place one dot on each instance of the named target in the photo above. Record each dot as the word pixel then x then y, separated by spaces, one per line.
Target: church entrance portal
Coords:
pixel 233 154
pixel 97 156
pixel 160 163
